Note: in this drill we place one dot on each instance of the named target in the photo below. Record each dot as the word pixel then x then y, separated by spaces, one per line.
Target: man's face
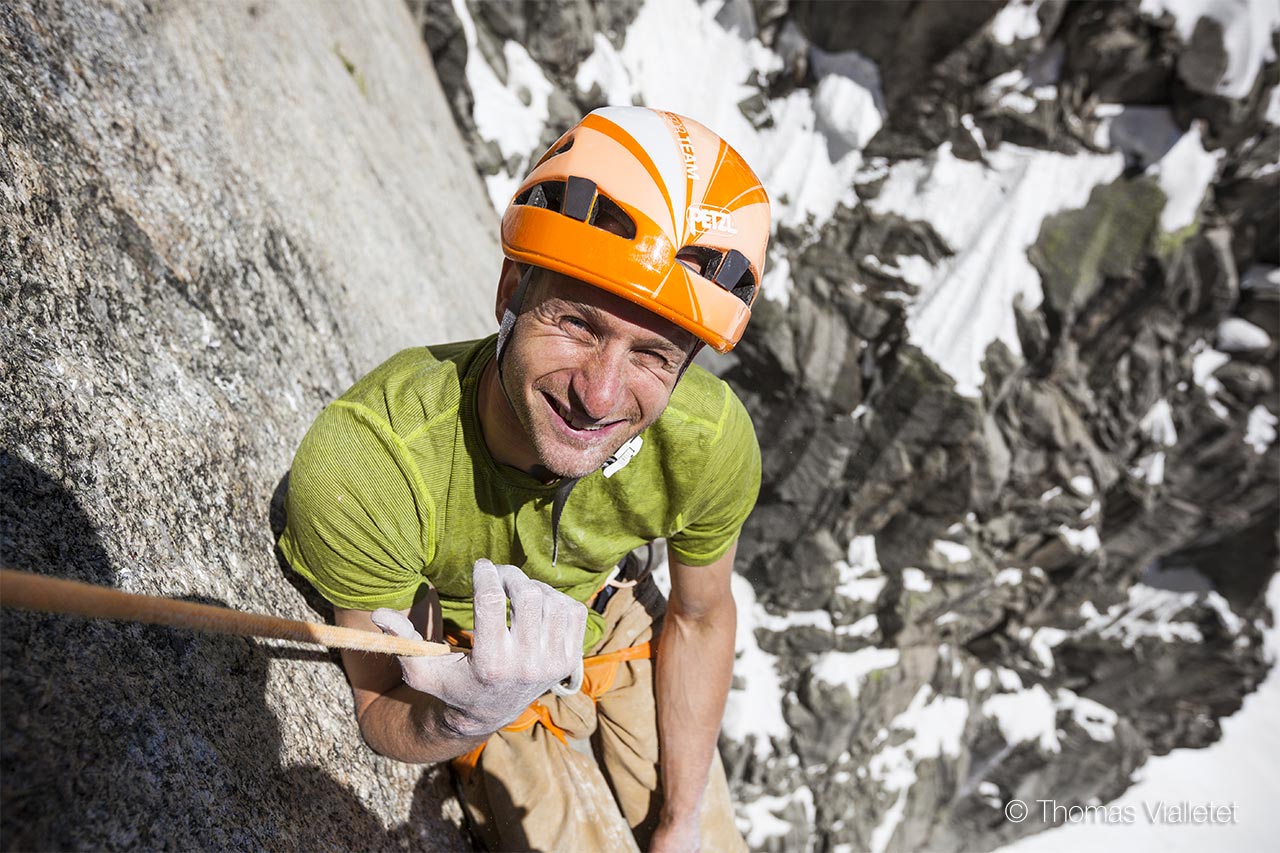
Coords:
pixel 586 371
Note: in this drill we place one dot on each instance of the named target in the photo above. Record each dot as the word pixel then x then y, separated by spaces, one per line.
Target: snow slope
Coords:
pixel 1246 34
pixel 989 214
pixel 1240 770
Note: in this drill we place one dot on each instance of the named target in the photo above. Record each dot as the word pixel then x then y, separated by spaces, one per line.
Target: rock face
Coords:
pixel 212 219
pixel 1024 588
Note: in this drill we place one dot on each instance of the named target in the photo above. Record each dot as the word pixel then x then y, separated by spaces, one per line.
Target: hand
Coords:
pixel 508 667
pixel 672 837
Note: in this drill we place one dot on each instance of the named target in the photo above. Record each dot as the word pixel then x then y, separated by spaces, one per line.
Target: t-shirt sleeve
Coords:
pixel 730 485
pixel 358 515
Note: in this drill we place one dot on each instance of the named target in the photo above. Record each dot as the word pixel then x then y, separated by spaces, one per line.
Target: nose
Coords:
pixel 599 383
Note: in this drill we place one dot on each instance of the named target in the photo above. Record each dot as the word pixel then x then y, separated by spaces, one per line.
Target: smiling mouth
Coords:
pixel 566 417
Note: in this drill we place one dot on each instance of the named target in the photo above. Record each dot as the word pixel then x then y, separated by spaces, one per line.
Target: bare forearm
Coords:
pixel 410 726
pixel 694 669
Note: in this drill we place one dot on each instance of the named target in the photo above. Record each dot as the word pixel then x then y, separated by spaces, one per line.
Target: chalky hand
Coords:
pixel 508 667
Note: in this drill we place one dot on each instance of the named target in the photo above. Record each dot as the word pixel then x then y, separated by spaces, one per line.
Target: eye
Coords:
pixel 575 325
pixel 655 360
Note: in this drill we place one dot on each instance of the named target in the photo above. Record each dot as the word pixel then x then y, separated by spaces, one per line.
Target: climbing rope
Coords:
pixel 57 595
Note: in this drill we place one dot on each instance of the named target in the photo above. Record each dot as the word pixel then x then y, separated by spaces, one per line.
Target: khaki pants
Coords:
pixel 600 793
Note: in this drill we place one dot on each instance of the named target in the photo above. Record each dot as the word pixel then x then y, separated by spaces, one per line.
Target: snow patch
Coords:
pixel 820 619
pixel 512 114
pixel 1092 511
pixel 1149 612
pixel 1261 430
pixel 1042 642
pixel 1082 485
pixel 776 284
pixel 1230 621
pixel 753 711
pixel 605 68
pixel 758 819
pixel 1097 720
pixel 851 669
pixel 864 627
pixel 1081 541
pixel 1184 173
pixel 1008 577
pixel 989 215
pixel 936 724
pixel 1246 34
pixel 912 269
pixel 1149 468
pixel 1235 334
pixel 952 552
pixel 1157 424
pixel 1009 680
pixel 914 580
pixel 860 576
pixel 1018 21
pixel 1205 362
pixel 1029 715
pixel 846 111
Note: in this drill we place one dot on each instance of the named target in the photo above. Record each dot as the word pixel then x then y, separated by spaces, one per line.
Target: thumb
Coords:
pixel 424 674
pixel 394 623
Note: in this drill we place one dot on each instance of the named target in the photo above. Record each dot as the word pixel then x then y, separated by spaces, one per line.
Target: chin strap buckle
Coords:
pixel 622 456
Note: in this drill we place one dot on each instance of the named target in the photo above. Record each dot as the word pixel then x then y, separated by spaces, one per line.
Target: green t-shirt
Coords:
pixel 393 488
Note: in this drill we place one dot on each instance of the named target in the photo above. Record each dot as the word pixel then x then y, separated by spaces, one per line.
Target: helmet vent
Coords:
pixel 573 199
pixel 731 270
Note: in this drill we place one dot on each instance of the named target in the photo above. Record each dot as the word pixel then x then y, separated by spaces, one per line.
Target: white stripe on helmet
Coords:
pixel 652 133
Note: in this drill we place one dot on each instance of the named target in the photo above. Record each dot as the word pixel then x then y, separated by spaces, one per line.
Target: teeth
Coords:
pixel 567 416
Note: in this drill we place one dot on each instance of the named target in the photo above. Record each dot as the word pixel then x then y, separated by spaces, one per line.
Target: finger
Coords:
pixel 575 622
pixel 489 602
pixel 422 674
pixel 394 623
pixel 572 684
pixel 568 618
pixel 529 601
pixel 512 577
pixel 434 675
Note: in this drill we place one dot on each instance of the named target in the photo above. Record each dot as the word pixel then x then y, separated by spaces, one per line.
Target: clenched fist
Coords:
pixel 508 667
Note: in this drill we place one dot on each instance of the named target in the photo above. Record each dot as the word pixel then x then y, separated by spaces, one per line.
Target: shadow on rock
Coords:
pixel 277 518
pixel 121 735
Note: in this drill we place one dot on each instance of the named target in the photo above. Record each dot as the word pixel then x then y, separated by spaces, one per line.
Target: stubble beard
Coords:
pixel 555 453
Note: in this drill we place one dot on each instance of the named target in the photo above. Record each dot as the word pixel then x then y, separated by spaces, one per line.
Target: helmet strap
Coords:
pixel 511 312
pixel 508 325
pixel 693 353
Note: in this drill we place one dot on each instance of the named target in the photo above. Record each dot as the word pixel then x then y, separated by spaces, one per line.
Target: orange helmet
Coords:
pixel 651 206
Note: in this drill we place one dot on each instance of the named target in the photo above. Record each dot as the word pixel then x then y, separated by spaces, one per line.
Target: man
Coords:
pixel 575 435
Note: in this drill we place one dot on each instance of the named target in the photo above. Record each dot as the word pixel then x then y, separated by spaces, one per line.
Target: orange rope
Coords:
pixel 56 595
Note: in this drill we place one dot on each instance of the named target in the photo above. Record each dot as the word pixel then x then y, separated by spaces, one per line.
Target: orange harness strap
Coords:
pixel 598 674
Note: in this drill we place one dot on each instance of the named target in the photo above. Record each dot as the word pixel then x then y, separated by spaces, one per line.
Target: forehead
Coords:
pixel 549 285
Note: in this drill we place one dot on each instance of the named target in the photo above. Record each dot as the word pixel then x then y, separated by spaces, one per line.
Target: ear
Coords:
pixel 508 281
